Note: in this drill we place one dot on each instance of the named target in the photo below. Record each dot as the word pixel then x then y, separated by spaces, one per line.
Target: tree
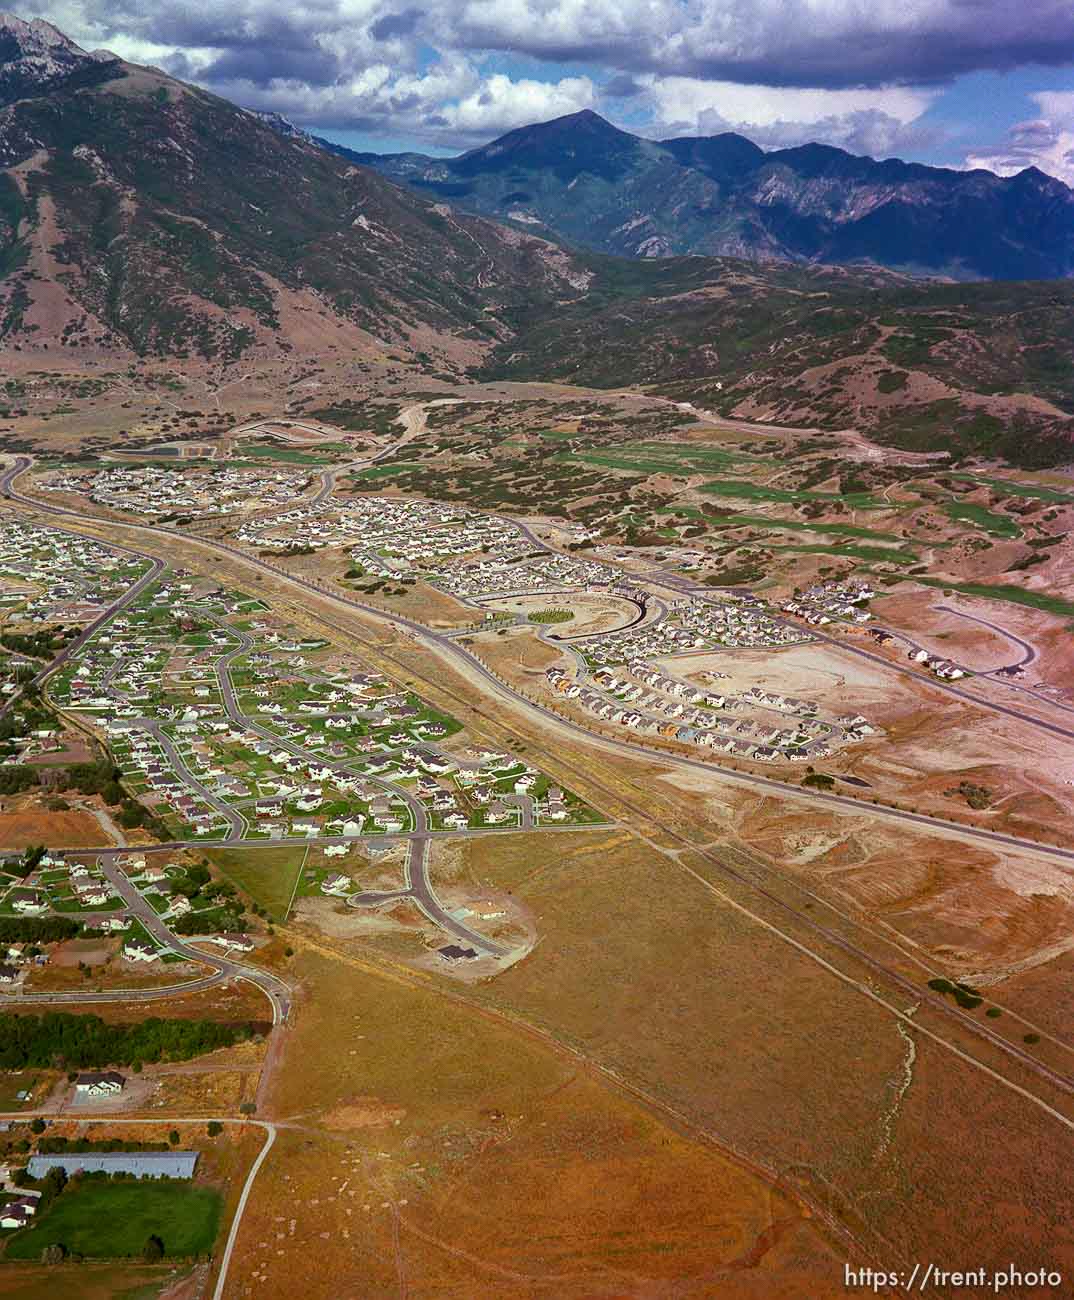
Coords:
pixel 153 1250
pixel 173 1137
pixel 214 1128
pixel 37 1126
pixel 51 1186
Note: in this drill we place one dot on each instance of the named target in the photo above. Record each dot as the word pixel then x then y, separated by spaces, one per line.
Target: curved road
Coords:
pixel 419 890
pixel 1029 652
pixel 420 633
pixel 419 886
pixel 277 992
pixel 413 420
pixel 267 1127
pixel 701 593
pixel 233 818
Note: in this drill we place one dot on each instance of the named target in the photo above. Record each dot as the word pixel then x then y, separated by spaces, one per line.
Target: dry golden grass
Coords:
pixel 212 1092
pixel 403 1112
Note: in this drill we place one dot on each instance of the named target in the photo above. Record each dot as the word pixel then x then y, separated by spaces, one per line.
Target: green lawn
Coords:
pixel 109 1220
pixel 287 454
pixel 704 457
pixel 1004 591
pixel 850 552
pixel 797 525
pixel 759 492
pixel 1032 491
pixel 658 458
pixel 267 875
pixel 993 524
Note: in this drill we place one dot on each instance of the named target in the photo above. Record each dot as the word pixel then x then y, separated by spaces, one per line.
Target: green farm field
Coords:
pixel 111 1220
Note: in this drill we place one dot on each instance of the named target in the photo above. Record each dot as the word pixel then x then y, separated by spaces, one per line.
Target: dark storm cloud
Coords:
pixel 868 68
pixel 814 43
pixel 811 43
pixel 261 65
pixel 394 25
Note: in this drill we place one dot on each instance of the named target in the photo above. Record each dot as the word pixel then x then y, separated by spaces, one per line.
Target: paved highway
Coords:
pixel 909 987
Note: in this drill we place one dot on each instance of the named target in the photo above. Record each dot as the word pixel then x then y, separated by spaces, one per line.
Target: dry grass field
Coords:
pixel 401 1110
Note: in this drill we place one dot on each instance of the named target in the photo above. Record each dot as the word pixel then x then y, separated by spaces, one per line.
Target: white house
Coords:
pixel 105 1083
pixel 139 950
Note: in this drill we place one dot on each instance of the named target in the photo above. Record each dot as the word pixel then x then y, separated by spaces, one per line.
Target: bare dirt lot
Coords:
pixel 58 830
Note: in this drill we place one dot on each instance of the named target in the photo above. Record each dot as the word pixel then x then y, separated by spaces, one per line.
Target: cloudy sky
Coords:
pixel 960 82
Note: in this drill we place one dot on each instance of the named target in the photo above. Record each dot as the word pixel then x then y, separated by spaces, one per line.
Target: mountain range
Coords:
pixel 581 179
pixel 143 219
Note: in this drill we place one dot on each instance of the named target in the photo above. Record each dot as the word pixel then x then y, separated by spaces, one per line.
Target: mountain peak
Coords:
pixel 585 120
pixel 584 117
pixel 576 142
pixel 36 57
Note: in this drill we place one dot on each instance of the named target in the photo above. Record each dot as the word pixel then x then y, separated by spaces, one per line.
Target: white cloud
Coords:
pixel 864 121
pixel 449 104
pixel 1046 142
pixel 499 104
pixel 684 100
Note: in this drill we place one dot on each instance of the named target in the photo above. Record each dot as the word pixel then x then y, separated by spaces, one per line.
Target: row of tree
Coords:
pixel 38 929
pixel 59 1039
